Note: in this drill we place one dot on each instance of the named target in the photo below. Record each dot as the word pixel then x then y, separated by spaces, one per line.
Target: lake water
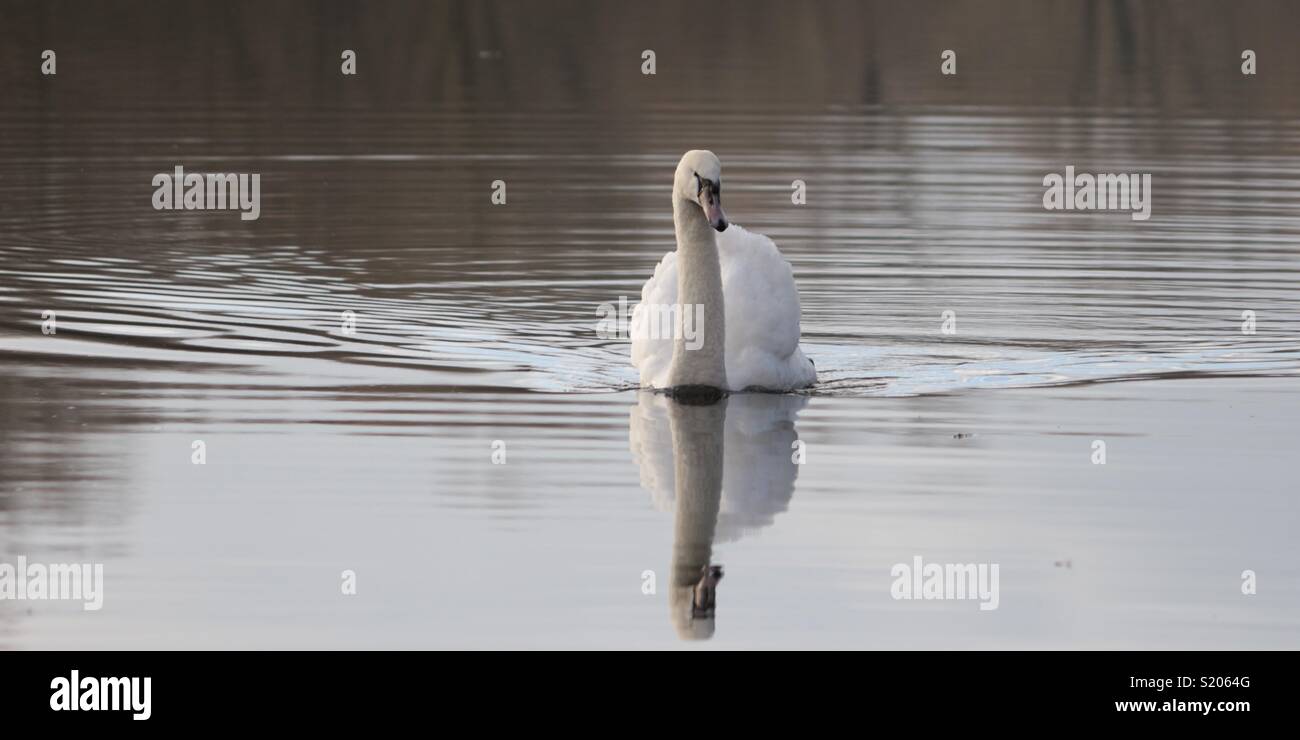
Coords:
pixel 372 450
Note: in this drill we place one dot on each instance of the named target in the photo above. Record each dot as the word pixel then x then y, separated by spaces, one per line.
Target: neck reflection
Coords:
pixel 725 469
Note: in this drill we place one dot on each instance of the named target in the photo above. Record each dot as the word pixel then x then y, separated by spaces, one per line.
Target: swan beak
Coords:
pixel 712 204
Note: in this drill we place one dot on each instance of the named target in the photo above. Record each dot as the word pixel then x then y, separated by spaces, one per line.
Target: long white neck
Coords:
pixel 700 306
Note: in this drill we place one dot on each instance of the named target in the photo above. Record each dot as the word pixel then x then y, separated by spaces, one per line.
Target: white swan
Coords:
pixel 740 326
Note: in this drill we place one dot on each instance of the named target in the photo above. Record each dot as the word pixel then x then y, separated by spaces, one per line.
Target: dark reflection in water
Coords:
pixel 332 449
pixel 586 54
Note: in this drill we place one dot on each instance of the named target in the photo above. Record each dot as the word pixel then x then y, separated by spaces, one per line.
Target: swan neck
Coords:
pixel 699 345
pixel 693 230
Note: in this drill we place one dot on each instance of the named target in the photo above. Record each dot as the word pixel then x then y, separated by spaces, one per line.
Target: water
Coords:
pixel 372 450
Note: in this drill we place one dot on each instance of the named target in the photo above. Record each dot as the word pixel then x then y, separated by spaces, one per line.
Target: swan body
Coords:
pixel 731 287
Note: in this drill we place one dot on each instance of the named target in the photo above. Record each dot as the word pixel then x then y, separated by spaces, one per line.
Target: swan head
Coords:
pixel 699 181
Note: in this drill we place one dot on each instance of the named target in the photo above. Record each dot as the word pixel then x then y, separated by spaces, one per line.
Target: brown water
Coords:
pixel 372 450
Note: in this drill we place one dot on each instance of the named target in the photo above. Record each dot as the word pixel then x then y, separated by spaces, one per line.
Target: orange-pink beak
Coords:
pixel 711 202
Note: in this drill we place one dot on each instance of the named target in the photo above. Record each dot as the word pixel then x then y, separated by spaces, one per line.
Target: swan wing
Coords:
pixel 652 344
pixel 762 304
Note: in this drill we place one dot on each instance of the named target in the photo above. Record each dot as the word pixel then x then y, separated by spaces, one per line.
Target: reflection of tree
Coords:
pixel 586 53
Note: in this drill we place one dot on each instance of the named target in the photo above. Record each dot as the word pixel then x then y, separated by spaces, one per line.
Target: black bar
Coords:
pixel 964 689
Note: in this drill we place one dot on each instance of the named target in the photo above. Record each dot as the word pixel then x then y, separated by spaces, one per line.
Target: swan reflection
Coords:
pixel 725 469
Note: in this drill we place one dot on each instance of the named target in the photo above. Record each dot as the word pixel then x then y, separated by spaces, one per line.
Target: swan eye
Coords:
pixel 700 183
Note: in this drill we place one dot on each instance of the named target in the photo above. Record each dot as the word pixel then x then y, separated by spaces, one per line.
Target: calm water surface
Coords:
pixel 372 451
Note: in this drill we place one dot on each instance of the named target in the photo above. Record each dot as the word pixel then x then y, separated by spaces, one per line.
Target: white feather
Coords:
pixel 762 317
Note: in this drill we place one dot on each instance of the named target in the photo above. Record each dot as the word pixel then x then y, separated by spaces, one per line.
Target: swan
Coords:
pixel 721 313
